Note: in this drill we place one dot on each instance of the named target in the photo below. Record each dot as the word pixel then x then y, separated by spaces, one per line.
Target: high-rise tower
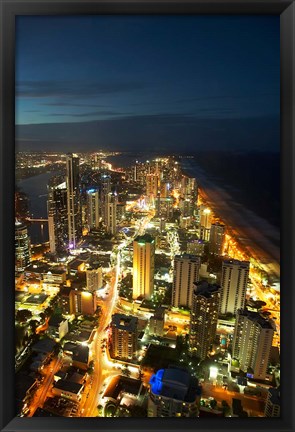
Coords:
pixel 234 279
pixel 143 266
pixel 186 273
pixel 252 342
pixel 57 209
pixel 22 247
pixel 93 211
pixel 203 319
pixel 73 200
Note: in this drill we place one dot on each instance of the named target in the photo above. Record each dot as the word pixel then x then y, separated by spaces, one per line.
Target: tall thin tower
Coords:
pixel 73 200
pixel 143 266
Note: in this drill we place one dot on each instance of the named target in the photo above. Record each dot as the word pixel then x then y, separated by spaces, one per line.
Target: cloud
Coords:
pixel 87 114
pixel 73 89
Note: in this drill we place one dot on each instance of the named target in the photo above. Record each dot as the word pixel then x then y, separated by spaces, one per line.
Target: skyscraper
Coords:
pixel 173 393
pixel 57 209
pixel 185 274
pixel 111 213
pixel 93 211
pixel 124 336
pixel 82 302
pixel 73 200
pixel 234 279
pixel 217 236
pixel 203 318
pixel 205 222
pixel 143 266
pixel 152 181
pixel 105 189
pixel 94 277
pixel 22 247
pixel 252 342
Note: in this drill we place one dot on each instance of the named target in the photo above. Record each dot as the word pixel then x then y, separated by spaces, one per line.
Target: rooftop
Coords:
pixel 205 289
pixel 125 322
pixel 175 383
pixel 146 238
pixel 45 345
pixel 235 262
pixel 188 257
pixel 36 299
pixel 69 386
pixel 123 384
pixel 256 317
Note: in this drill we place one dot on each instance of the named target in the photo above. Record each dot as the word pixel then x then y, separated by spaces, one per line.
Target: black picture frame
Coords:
pixel 9 10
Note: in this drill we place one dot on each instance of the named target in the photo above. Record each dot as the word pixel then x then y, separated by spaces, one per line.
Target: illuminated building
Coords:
pixel 203 318
pixel 22 247
pixel 111 213
pixel 93 213
pixel 94 277
pixel 273 403
pixel 189 188
pixel 143 266
pixel 152 181
pixel 82 302
pixel 234 279
pixel 58 326
pixel 205 222
pixel 120 211
pixel 124 336
pixel 96 162
pixel 252 343
pixel 57 210
pixel 73 200
pixel 173 393
pixel 195 247
pixel 162 224
pixel 105 189
pixel 217 237
pixel 156 322
pixel 185 274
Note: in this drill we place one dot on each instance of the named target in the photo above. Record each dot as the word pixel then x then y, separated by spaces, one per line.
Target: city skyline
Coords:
pixel 147 205
pixel 135 315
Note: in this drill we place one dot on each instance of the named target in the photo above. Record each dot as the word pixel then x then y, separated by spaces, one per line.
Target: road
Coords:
pixel 42 393
pixel 90 405
pixel 103 366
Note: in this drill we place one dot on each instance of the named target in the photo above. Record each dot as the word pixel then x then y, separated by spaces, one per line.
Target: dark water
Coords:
pixel 36 190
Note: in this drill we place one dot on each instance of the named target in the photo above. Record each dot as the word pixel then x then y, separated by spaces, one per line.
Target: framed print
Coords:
pixel 147 204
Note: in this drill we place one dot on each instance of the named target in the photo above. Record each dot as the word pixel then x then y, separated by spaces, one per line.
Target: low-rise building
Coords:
pixel 68 389
pixel 58 327
pixel 174 393
pixel 156 322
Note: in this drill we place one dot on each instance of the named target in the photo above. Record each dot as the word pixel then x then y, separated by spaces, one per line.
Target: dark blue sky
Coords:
pixel 147 80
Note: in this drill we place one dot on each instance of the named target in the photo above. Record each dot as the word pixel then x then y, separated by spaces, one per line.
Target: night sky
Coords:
pixel 162 82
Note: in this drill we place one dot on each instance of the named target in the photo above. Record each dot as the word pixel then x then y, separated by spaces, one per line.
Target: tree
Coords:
pixel 33 325
pixel 213 403
pixel 126 371
pixel 23 315
pixel 90 367
pixel 225 407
